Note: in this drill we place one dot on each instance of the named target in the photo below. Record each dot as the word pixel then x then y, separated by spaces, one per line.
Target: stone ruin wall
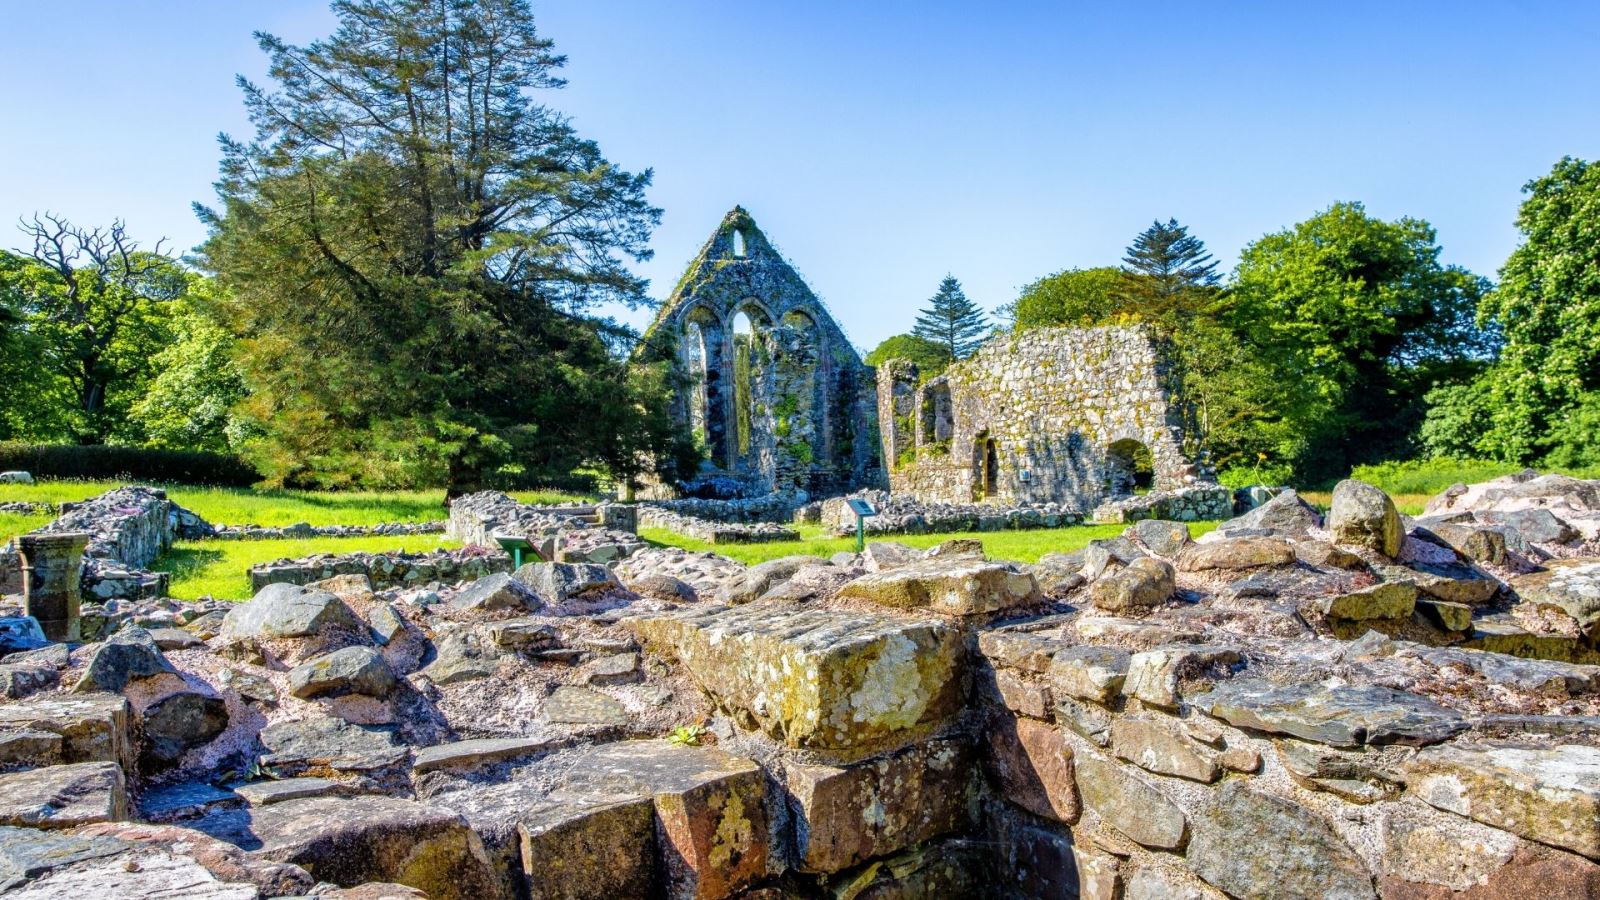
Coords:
pixel 809 407
pixel 1054 401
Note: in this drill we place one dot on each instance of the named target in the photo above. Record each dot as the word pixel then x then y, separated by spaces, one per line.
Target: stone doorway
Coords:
pixel 1130 469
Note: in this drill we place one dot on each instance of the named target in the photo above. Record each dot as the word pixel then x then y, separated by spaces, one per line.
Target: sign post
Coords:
pixel 513 546
pixel 862 509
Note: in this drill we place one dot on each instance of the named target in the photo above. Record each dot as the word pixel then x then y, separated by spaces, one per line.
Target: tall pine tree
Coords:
pixel 952 321
pixel 1165 262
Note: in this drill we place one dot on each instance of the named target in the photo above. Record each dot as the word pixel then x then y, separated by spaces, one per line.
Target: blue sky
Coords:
pixel 882 145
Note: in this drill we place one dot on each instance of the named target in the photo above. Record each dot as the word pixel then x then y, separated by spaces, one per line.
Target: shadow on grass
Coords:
pixel 187 562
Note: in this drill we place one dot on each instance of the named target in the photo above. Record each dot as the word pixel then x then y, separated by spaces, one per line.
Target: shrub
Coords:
pixel 123 463
pixel 1269 474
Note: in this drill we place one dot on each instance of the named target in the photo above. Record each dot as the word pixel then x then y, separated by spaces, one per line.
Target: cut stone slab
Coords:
pixel 1153 674
pixel 1237 553
pixel 1252 844
pixel 352 670
pixel 616 668
pixel 93 727
pixel 29 749
pixel 496 592
pixel 325 745
pixel 1362 515
pixel 1032 763
pixel 711 815
pixel 144 873
pixel 28 853
pixel 1163 746
pixel 1387 600
pixel 1089 673
pixel 845 684
pixel 266 793
pixel 522 634
pixel 951 586
pixel 572 705
pixel 289 611
pixel 847 815
pixel 1450 583
pixel 580 848
pixel 353 840
pixel 462 655
pixel 64 796
pixel 1536 525
pixel 1545 794
pixel 1129 803
pixel 484 751
pixel 1571 586
pixel 129 655
pixel 1340 716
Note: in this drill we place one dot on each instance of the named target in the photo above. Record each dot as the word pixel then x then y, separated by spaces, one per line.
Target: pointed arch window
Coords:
pixel 738 244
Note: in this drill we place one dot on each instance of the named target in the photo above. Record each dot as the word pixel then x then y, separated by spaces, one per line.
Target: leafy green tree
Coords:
pixel 93 305
pixel 931 357
pixel 1071 297
pixel 1359 320
pixel 952 321
pixel 413 251
pixel 1548 307
pixel 188 404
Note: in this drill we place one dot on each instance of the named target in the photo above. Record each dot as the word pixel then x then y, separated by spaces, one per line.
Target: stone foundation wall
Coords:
pixel 766 508
pixel 906 515
pixel 304 530
pixel 1046 416
pixel 475 518
pixel 129 528
pixel 384 570
pixel 713 532
pixel 1196 503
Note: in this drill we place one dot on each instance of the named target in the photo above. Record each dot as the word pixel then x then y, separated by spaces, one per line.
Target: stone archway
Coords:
pixel 1129 468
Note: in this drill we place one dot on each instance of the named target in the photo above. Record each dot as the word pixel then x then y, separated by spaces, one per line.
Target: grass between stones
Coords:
pixel 222 568
pixel 251 506
pixel 1025 545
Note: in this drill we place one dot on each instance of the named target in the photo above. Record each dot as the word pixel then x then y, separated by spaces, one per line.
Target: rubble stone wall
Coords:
pixel 714 532
pixel 384 570
pixel 1050 415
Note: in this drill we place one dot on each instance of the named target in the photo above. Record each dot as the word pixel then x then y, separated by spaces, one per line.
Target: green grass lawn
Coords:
pixel 249 506
pixel 221 568
pixel 1020 546
pixel 13 524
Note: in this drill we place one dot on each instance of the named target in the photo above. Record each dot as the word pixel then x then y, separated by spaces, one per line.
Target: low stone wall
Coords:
pixel 906 515
pixel 304 530
pixel 384 570
pixel 129 528
pixel 1195 503
pixel 715 532
pixel 28 508
pixel 476 518
pixel 10 571
pixel 767 508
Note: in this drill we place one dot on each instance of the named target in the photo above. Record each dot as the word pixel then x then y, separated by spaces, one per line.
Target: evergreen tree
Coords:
pixel 1165 262
pixel 413 252
pixel 952 321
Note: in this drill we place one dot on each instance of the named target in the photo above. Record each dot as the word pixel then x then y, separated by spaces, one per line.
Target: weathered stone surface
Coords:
pixel 1449 582
pixel 1091 720
pixel 496 592
pixel 757 580
pixel 560 582
pixel 93 727
pixel 352 670
pixel 1386 600
pixel 177 723
pixel 289 611
pixel 1533 873
pixel 1022 695
pixel 843 683
pixel 1481 543
pixel 1457 858
pixel 129 655
pixel 953 586
pixel 1363 516
pixel 1153 674
pixel 351 840
pixel 711 815
pixel 1545 794
pixel 522 634
pixel 1161 745
pixel 21 680
pixel 1449 616
pixel 467 754
pixel 1031 764
pixel 64 796
pixel 266 793
pixel 28 853
pixel 1161 537
pixel 1237 553
pixel 1285 515
pixel 588 848
pixel 1325 555
pixel 175 639
pixel 573 705
pixel 1108 555
pixel 182 800
pixel 1536 525
pixel 614 668
pixel 145 874
pixel 1128 803
pixel 324 745
pixel 1571 586
pixel 847 815
pixel 248 686
pixel 1252 844
pixel 1141 585
pixel 1340 715
pixel 1029 858
pixel 1089 673
pixel 387 623
pixel 29 749
pixel 462 655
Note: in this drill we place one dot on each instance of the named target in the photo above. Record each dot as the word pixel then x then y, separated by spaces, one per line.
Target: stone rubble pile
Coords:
pixel 306 530
pixel 897 514
pixel 1291 706
pixel 384 570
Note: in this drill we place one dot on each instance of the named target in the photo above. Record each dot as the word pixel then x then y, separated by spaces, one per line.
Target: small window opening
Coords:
pixel 738 243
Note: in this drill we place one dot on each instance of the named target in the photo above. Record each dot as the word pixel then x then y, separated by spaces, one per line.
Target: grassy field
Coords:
pixel 1020 546
pixel 246 506
pixel 13 524
pixel 221 568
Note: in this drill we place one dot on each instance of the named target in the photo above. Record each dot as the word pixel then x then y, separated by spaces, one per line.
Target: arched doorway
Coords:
pixel 1129 469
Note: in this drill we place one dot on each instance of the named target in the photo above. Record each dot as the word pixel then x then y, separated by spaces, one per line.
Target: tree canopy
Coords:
pixel 412 250
pixel 952 321
pixel 931 357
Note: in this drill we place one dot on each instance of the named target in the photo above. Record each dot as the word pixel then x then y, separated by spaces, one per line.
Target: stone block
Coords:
pixel 1252 844
pixel 1130 804
pixel 1545 794
pixel 1229 554
pixel 845 815
pixel 1341 716
pixel 1163 746
pixel 1388 600
pixel 953 586
pixel 64 796
pixel 1031 764
pixel 841 683
pixel 1089 673
pixel 93 727
pixel 1142 585
pixel 588 848
pixel 289 611
pixel 1153 675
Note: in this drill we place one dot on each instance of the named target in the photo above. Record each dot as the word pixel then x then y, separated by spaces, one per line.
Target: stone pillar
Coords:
pixel 618 516
pixel 52 565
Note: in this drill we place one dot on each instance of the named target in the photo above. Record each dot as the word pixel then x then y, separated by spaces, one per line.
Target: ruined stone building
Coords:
pixel 779 399
pixel 1053 415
